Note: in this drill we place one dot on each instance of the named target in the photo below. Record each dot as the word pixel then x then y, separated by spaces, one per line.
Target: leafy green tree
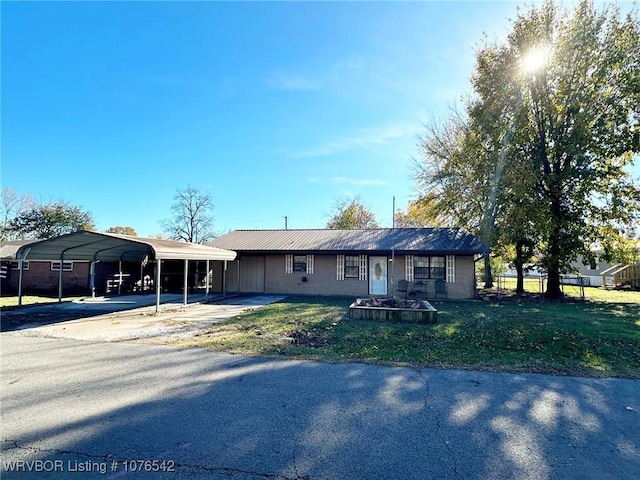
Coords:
pixel 351 213
pixel 51 220
pixel 552 127
pixel 421 212
pixel 456 171
pixel 578 123
pixel 122 230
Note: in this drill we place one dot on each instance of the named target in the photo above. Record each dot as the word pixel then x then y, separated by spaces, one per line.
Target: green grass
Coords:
pixel 534 286
pixel 12 301
pixel 593 338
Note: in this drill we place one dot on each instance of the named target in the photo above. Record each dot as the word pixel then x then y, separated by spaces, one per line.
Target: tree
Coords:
pixel 578 123
pixel 12 205
pixel 51 220
pixel 351 213
pixel 553 144
pixel 192 219
pixel 456 171
pixel 122 230
pixel 421 212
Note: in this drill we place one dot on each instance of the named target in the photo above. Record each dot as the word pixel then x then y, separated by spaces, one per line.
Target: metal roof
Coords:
pixel 110 247
pixel 402 240
pixel 8 250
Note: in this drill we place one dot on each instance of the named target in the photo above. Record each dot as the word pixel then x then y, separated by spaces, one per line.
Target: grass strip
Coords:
pixel 593 338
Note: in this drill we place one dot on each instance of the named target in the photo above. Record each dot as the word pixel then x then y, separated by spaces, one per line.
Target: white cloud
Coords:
pixel 363 182
pixel 292 81
pixel 363 139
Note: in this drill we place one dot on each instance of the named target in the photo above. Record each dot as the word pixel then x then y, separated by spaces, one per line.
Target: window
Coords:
pixel 420 268
pixel 425 268
pixel 299 263
pixel 437 267
pixel 351 266
pixel 593 265
pixel 66 266
pixel 16 265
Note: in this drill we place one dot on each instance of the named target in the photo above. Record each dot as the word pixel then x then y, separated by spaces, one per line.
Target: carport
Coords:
pixel 109 247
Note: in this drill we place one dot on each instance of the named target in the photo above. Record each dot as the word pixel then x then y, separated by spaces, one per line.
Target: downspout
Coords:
pixel 393 243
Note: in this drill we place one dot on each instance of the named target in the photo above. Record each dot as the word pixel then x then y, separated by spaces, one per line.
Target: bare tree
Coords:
pixel 192 219
pixel 12 205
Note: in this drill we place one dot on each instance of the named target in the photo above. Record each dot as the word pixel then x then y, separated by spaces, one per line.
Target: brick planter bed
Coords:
pixel 393 309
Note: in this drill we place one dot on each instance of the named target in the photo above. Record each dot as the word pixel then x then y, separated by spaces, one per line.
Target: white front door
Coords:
pixel 378 275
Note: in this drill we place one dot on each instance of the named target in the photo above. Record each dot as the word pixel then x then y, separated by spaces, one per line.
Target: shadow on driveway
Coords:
pixel 31 316
pixel 220 416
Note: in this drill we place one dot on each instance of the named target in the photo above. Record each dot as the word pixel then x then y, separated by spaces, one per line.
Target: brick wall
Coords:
pixel 321 282
pixel 324 282
pixel 40 278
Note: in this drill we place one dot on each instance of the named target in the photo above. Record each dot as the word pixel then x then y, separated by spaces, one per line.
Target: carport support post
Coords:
pixel 186 272
pixel 120 277
pixel 60 278
pixel 92 279
pixel 206 282
pixel 224 281
pixel 21 268
pixel 158 262
pixel 238 276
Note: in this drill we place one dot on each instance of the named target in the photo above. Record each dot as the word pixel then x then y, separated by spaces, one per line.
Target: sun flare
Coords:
pixel 535 59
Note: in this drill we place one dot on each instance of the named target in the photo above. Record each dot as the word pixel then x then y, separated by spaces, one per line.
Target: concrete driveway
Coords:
pixel 77 409
pixel 128 318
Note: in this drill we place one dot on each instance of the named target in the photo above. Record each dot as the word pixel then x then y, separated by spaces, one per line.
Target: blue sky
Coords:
pixel 273 108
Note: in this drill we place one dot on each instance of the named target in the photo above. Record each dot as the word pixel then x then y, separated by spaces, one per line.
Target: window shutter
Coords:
pixel 363 268
pixel 288 263
pixel 408 268
pixel 340 267
pixel 310 264
pixel 451 268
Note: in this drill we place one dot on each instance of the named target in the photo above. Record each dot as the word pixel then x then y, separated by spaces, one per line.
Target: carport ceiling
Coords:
pixel 109 247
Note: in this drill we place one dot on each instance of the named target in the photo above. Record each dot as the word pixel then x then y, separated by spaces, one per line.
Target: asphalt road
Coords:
pixel 77 409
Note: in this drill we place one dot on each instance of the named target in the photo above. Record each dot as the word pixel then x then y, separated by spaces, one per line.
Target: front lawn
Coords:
pixel 593 338
pixel 12 301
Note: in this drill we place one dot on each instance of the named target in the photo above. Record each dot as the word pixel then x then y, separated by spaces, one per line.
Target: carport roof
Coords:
pixel 110 247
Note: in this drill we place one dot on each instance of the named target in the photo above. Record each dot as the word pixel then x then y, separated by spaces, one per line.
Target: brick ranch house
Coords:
pixel 352 262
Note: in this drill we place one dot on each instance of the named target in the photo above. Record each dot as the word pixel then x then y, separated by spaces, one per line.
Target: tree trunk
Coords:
pixel 488 277
pixel 519 262
pixel 553 285
pixel 553 282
